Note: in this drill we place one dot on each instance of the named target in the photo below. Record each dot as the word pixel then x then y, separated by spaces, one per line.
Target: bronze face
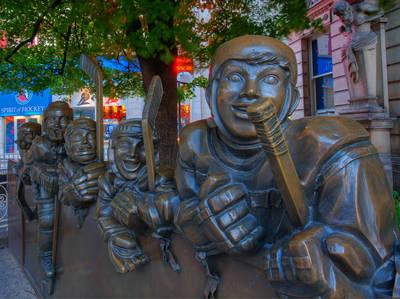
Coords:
pixel 80 141
pixel 244 70
pixel 240 85
pixel 26 133
pixel 129 156
pixel 56 125
pixel 56 119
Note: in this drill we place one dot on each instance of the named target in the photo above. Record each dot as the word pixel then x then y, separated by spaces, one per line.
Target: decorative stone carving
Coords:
pixel 80 171
pixel 360 59
pixel 359 56
pixel 360 51
pixel 46 152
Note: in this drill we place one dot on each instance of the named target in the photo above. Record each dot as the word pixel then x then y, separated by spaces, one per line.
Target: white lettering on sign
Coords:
pixel 22 110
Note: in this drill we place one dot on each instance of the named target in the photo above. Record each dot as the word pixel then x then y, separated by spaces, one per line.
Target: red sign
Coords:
pixel 183 64
pixel 110 101
pixel 114 112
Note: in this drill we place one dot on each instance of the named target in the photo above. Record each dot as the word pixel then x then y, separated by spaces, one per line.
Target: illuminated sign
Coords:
pixel 84 98
pixel 114 112
pixel 24 103
pixel 183 64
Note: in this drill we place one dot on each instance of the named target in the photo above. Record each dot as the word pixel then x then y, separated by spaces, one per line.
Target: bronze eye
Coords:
pixel 234 77
pixel 271 79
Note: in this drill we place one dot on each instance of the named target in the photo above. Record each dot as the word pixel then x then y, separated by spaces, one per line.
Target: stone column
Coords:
pixel 382 80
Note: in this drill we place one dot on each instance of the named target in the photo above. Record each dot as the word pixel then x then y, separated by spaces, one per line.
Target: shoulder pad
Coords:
pixel 312 141
pixel 192 138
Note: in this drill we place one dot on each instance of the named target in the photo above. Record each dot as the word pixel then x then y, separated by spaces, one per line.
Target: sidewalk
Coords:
pixel 13 283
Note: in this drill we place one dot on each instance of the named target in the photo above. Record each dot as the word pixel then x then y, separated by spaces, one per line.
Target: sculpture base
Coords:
pixel 84 268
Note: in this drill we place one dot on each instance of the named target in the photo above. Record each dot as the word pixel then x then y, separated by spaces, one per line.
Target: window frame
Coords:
pixel 313 78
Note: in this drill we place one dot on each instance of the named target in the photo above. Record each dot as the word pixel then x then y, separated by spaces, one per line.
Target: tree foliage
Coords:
pixel 125 28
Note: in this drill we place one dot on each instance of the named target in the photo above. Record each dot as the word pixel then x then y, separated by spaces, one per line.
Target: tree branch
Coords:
pixel 78 40
pixel 67 38
pixel 36 29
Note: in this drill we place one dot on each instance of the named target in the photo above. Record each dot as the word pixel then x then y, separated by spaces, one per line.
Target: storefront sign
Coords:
pixel 114 112
pixel 84 98
pixel 183 64
pixel 24 103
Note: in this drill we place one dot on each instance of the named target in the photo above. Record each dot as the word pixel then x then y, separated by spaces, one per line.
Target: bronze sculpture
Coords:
pixel 79 172
pixel 27 132
pixel 339 241
pixel 127 207
pixel 147 201
pixel 153 204
pixel 126 169
pixel 307 199
pixel 46 152
pixel 311 193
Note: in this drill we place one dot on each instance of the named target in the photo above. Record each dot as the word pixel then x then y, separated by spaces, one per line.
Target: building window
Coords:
pixel 321 74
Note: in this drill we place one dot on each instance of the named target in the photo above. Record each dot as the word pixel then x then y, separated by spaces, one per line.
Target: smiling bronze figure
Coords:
pixel 46 152
pixel 127 207
pixel 311 193
pixel 80 171
pixel 126 170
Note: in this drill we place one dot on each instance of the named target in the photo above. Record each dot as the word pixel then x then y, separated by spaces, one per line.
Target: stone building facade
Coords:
pixel 324 77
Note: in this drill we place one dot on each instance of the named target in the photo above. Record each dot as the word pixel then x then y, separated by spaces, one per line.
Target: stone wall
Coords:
pixel 393 58
pixel 393 68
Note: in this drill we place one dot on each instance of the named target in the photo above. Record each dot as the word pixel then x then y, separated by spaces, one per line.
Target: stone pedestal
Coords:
pixel 364 109
pixel 378 123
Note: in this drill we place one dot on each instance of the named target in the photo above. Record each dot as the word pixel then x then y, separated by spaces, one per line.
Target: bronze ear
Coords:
pixel 294 100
